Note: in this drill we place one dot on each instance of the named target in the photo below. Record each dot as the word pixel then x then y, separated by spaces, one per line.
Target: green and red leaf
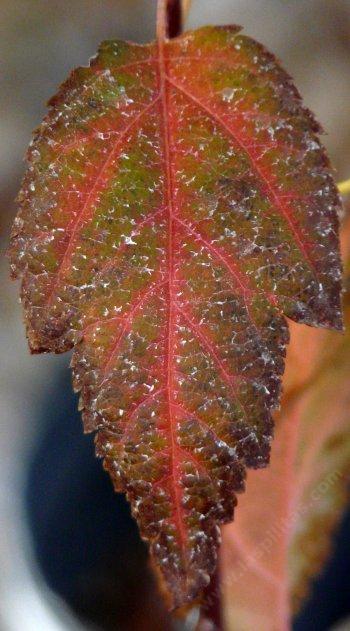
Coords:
pixel 177 206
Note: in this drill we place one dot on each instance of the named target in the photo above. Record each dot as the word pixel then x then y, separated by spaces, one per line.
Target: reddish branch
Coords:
pixel 169 19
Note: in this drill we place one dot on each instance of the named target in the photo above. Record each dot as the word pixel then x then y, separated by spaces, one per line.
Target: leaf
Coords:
pixel 177 203
pixel 281 535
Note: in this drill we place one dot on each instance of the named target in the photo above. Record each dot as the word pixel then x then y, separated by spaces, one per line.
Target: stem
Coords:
pixel 161 20
pixel 170 14
pixel 344 187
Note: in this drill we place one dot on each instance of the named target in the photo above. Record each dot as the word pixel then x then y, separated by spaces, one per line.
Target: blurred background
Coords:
pixel 70 555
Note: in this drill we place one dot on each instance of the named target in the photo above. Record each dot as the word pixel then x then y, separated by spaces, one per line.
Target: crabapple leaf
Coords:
pixel 177 205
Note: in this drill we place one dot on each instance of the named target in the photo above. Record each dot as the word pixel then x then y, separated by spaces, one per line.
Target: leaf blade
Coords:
pixel 161 234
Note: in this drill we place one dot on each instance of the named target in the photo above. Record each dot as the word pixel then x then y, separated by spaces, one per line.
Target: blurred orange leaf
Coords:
pixel 282 532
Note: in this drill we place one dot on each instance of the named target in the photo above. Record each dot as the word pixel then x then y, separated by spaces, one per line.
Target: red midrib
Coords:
pixel 175 460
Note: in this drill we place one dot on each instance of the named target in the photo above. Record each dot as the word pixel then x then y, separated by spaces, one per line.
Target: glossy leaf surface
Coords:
pixel 282 532
pixel 177 203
